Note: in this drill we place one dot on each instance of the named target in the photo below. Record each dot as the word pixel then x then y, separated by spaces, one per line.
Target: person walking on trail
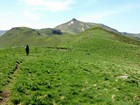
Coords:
pixel 27 50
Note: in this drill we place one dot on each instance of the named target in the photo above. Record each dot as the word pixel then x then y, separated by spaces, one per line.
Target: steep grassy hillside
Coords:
pixel 18 36
pixel 22 36
pixel 97 67
pixel 100 33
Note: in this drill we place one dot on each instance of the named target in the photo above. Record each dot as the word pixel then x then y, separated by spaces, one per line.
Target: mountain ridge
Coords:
pixel 20 36
pixel 133 35
pixel 70 27
pixel 75 26
pixel 53 37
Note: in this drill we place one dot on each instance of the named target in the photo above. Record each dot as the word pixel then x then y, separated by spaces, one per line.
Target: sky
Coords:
pixel 123 15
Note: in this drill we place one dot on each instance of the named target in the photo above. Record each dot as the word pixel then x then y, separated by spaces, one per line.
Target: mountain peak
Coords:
pixel 75 26
pixel 74 19
pixel 72 22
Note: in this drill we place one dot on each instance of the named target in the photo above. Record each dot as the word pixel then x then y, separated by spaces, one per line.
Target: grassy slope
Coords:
pixel 18 37
pixel 23 36
pixel 88 73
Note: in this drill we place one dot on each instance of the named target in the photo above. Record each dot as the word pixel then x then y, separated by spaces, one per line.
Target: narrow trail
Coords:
pixel 7 89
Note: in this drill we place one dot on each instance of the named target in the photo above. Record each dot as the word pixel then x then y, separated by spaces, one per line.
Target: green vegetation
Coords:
pixel 97 67
pixel 20 36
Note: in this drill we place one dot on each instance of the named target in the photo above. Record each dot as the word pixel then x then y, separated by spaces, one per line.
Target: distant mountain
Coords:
pixel 136 36
pixel 21 36
pixel 18 36
pixel 2 32
pixel 75 26
pixel 61 35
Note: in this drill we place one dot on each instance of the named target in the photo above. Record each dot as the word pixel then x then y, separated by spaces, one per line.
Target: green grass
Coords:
pixel 22 36
pixel 73 76
pixel 94 68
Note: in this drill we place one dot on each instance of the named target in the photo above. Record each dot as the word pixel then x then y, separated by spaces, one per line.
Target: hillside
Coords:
pixel 20 36
pixel 97 67
pixel 75 26
pixel 98 32
pixel 61 35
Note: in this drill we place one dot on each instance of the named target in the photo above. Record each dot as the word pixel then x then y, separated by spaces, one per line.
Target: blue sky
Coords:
pixel 123 15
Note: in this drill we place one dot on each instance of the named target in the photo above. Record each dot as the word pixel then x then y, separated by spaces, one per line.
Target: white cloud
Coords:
pixel 6 21
pixel 27 19
pixel 32 2
pixel 58 6
pixel 51 5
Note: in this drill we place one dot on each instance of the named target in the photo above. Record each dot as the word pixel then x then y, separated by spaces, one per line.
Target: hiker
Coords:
pixel 27 50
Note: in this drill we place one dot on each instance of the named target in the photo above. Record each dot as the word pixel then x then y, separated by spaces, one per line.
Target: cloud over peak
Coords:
pixel 50 5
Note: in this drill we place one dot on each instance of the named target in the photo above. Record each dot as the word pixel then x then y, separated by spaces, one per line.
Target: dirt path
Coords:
pixel 5 94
